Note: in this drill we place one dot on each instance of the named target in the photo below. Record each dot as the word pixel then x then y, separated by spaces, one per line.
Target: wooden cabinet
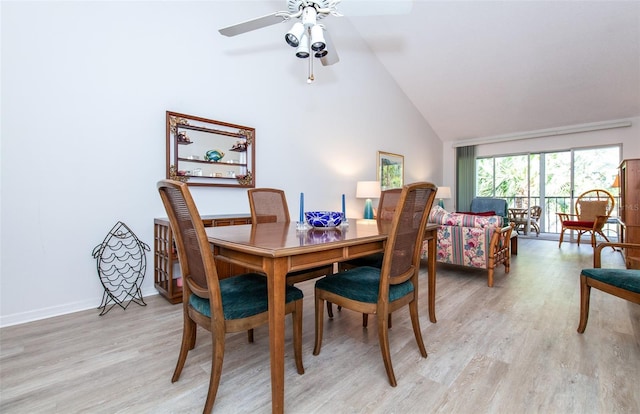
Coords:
pixel 166 267
pixel 629 209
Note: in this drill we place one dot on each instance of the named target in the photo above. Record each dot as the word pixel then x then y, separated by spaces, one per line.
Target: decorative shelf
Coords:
pixel 227 164
pixel 205 160
pixel 206 176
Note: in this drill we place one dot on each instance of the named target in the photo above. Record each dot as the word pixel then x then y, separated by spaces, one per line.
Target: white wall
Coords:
pixel 627 136
pixel 85 87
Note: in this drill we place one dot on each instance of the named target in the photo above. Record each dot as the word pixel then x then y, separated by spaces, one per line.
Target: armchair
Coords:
pixel 592 211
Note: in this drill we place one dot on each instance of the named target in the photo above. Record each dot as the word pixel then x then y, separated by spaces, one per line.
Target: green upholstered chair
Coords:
pixel 235 304
pixel 623 283
pixel 384 290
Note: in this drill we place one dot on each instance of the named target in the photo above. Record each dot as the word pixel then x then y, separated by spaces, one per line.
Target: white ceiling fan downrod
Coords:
pixel 307 36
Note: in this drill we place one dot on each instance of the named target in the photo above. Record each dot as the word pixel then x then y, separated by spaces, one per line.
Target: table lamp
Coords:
pixel 443 193
pixel 368 190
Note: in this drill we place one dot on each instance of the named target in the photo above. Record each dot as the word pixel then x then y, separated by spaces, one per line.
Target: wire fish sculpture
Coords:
pixel 121 265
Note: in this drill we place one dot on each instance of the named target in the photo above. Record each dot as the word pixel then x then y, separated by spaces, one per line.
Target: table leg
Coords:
pixel 276 284
pixel 431 270
pixel 514 243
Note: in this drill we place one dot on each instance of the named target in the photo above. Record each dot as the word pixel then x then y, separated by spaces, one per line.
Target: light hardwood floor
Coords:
pixel 512 348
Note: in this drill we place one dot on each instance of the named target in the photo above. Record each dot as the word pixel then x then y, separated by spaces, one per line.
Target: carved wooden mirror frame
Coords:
pixel 205 152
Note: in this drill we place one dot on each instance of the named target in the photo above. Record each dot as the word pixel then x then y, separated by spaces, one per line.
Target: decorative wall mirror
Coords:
pixel 205 152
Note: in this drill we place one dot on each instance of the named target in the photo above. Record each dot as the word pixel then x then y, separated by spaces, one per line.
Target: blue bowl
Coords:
pixel 323 218
pixel 324 235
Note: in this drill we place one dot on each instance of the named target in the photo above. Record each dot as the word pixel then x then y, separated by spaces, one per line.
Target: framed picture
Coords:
pixel 390 170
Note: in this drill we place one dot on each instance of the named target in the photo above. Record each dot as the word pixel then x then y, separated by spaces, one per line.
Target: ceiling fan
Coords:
pixel 310 38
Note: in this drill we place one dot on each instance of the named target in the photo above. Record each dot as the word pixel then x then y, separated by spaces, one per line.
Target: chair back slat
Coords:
pixel 594 203
pixel 199 273
pixel 536 212
pixel 268 205
pixel 407 231
pixel 387 205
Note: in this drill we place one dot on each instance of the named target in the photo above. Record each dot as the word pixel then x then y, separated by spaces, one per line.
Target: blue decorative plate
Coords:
pixel 323 218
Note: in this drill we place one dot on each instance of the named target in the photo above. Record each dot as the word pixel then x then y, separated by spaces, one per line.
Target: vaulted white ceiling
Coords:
pixel 481 69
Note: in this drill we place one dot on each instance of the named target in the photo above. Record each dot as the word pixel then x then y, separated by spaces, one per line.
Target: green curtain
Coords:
pixel 465 178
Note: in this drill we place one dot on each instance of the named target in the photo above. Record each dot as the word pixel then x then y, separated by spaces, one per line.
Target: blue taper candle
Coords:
pixel 343 208
pixel 301 207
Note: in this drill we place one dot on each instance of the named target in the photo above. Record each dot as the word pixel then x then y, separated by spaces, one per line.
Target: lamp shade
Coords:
pixel 616 182
pixel 444 192
pixel 368 189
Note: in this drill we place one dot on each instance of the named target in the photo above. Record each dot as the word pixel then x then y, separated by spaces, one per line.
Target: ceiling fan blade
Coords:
pixel 331 57
pixel 374 7
pixel 254 24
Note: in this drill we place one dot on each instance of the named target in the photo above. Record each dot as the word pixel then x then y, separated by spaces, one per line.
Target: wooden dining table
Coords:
pixel 276 249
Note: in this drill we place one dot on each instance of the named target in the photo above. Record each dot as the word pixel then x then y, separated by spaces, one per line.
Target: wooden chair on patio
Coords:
pixel 522 217
pixel 593 208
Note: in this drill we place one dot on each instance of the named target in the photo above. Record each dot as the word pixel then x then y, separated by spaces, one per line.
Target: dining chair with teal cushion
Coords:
pixel 386 208
pixel 235 304
pixel 269 205
pixel 623 283
pixel 384 214
pixel 384 290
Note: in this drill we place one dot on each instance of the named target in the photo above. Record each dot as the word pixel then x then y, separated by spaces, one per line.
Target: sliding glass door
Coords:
pixel 552 180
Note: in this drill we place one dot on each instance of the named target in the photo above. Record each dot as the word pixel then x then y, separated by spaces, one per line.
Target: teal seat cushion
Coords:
pixel 627 279
pixel 373 260
pixel 243 296
pixel 361 284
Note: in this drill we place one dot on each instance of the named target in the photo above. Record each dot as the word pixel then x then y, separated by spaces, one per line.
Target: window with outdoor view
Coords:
pixel 552 180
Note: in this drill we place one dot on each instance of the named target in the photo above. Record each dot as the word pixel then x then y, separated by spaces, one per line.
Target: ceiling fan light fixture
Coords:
pixel 309 15
pixel 293 36
pixel 303 49
pixel 317 38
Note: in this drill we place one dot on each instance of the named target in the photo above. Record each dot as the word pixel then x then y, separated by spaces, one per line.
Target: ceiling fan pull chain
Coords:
pixel 311 78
